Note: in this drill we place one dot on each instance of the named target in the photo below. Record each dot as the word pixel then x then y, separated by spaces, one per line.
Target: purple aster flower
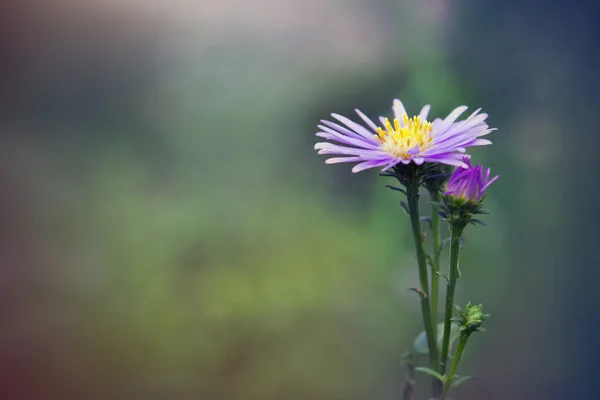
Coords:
pixel 404 140
pixel 469 183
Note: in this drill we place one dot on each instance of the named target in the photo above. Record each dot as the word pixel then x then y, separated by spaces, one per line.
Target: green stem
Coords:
pixel 437 242
pixel 412 196
pixel 454 249
pixel 457 357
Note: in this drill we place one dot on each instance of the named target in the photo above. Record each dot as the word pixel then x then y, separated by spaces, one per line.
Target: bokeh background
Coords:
pixel 168 232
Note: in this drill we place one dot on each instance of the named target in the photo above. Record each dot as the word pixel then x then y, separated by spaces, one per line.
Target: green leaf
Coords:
pixel 456 380
pixel 428 220
pixel 405 207
pixel 477 221
pixel 420 346
pixel 431 372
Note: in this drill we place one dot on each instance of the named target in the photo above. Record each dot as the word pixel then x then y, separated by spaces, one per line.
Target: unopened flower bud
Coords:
pixel 471 319
pixel 464 194
pixel 469 184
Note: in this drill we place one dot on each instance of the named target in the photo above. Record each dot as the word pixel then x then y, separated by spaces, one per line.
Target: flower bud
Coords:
pixel 471 320
pixel 469 184
pixel 464 193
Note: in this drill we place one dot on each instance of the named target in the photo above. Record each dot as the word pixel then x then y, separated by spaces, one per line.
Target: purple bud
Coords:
pixel 469 183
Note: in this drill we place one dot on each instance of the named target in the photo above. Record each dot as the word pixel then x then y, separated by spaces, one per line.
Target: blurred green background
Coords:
pixel 168 231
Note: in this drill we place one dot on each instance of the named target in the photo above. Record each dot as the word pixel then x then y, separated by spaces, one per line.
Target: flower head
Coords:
pixel 404 140
pixel 471 320
pixel 469 184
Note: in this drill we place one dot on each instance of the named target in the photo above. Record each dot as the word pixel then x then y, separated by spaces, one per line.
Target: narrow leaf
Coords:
pixel 478 221
pixel 456 381
pixel 396 189
pixel 428 220
pixel 431 372
pixel 405 207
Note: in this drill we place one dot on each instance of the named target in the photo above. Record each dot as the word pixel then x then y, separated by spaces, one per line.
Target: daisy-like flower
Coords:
pixel 404 140
pixel 469 184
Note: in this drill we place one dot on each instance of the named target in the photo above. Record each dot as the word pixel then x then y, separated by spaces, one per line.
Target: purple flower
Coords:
pixel 404 140
pixel 469 183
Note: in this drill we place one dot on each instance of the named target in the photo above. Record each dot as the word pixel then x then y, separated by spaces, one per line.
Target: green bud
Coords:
pixel 472 318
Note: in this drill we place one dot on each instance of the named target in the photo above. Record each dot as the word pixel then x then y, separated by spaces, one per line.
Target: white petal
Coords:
pixel 361 130
pixel 366 119
pixel 341 129
pixel 347 139
pixel 447 122
pixel 337 160
pixel 370 164
pixel 425 111
pixel 399 111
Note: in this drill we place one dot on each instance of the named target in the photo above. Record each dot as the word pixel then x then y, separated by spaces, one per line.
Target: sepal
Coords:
pixel 460 212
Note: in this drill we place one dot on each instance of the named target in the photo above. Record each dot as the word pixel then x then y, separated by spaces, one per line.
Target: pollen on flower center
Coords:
pixel 401 138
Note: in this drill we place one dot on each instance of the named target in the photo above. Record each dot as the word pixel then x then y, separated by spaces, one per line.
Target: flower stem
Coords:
pixel 412 196
pixel 457 357
pixel 457 229
pixel 435 278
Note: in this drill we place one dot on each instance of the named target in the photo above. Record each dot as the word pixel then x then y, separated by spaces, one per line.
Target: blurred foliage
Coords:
pixel 171 233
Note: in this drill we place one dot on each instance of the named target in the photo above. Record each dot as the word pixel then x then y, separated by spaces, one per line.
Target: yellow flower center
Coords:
pixel 399 139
